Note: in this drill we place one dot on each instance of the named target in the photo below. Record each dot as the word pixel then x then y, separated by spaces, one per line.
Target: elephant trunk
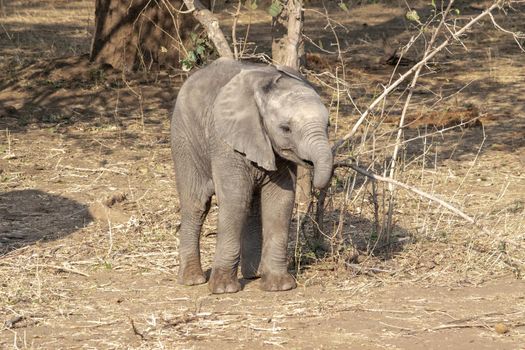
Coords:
pixel 323 165
pixel 317 150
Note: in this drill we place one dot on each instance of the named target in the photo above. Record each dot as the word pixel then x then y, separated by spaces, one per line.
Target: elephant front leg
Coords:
pixel 277 207
pixel 234 204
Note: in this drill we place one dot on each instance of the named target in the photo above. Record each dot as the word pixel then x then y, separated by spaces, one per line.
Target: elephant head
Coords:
pixel 262 111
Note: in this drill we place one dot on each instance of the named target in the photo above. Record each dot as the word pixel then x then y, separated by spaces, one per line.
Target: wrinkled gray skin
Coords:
pixel 238 131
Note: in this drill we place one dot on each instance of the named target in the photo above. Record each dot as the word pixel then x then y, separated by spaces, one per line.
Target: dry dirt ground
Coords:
pixel 89 212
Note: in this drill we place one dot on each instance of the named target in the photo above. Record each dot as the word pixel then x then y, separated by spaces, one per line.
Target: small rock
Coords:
pixel 500 328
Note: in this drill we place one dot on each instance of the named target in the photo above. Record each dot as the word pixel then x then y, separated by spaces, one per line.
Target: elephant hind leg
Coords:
pixel 193 213
pixel 251 241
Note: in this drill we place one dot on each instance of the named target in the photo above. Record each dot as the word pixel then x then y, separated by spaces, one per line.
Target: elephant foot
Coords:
pixel 191 275
pixel 223 282
pixel 277 282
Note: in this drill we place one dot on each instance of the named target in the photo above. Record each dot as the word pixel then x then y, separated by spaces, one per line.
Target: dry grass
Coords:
pixel 103 275
pixel 46 29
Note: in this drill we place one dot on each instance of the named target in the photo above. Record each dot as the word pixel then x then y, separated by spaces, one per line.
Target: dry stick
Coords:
pixel 137 20
pixel 211 23
pixel 517 36
pixel 472 325
pixel 336 38
pixel 406 187
pixel 411 91
pixel 403 115
pixel 451 326
pixel 403 77
pixel 426 135
pixel 67 269
pixel 96 170
pixel 136 330
pixel 250 12
pixel 169 6
pixel 234 30
pixel 361 269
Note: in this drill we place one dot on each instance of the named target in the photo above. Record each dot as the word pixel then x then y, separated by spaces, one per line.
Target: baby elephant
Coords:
pixel 238 131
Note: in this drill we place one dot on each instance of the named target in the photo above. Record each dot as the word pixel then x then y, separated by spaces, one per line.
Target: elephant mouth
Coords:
pixel 292 156
pixel 306 164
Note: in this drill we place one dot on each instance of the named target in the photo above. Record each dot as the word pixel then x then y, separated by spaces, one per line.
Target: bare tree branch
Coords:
pixel 234 30
pixel 518 36
pixel 211 23
pixel 412 85
pixel 417 66
pixel 411 90
pixel 406 187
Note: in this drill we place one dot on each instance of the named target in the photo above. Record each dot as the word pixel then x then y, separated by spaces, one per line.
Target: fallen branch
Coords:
pixel 136 330
pixel 211 23
pixel 416 67
pixel 489 326
pixel 475 325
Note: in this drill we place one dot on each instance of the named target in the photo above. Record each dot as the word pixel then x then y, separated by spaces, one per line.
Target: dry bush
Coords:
pixel 409 136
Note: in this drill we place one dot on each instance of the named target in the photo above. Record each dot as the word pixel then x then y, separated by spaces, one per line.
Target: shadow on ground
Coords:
pixel 30 216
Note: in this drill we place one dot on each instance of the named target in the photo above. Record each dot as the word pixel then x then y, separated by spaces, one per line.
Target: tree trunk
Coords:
pixel 288 50
pixel 211 23
pixel 287 31
pixel 141 33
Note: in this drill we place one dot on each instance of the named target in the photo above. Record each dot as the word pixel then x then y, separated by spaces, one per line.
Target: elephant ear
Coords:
pixel 290 72
pixel 294 74
pixel 237 118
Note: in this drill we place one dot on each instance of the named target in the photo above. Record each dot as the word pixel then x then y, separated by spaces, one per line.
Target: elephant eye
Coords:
pixel 285 128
